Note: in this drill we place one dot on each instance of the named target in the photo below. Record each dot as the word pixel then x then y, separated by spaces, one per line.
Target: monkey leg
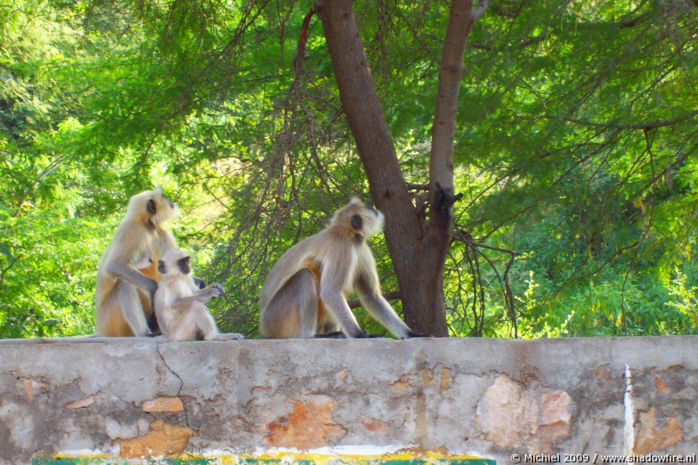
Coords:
pixel 184 328
pixel 205 321
pixel 153 325
pixel 131 308
pixel 325 323
pixel 110 321
pixel 293 311
pixel 192 321
pixel 152 272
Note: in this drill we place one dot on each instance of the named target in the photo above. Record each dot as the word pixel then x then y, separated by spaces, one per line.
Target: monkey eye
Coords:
pixel 357 222
pixel 151 207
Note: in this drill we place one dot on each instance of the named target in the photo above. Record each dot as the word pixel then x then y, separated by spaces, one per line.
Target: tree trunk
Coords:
pixel 418 250
pixel 441 191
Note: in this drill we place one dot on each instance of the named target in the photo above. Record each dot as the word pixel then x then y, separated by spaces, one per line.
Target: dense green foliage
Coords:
pixel 575 151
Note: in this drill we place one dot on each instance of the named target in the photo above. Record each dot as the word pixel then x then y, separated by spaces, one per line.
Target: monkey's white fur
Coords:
pixel 305 292
pixel 180 304
pixel 139 238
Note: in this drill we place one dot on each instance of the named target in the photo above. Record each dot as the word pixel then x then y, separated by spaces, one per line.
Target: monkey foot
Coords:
pixel 332 335
pixel 416 334
pixel 227 337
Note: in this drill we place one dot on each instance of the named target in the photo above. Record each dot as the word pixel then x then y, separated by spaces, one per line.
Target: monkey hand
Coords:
pixel 411 334
pixel 217 290
pixel 364 334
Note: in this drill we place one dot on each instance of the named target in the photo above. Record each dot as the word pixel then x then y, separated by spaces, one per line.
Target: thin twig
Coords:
pixel 636 126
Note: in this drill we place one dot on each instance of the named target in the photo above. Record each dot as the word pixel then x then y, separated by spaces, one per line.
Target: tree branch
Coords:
pixel 480 10
pixel 637 126
pixel 417 187
pixel 526 43
pixel 465 237
pixel 6 269
pixel 460 21
pixel 300 50
pixel 45 172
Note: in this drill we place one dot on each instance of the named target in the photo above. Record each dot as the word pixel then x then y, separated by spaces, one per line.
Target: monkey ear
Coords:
pixel 158 190
pixel 357 222
pixel 151 207
pixel 183 264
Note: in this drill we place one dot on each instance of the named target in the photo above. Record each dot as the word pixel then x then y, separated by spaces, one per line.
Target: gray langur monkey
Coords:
pixel 140 238
pixel 180 304
pixel 304 294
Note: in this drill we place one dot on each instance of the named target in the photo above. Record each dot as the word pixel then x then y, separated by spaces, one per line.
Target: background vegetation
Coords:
pixel 575 153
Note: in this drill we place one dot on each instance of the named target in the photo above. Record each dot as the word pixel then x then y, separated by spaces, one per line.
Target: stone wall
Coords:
pixel 422 397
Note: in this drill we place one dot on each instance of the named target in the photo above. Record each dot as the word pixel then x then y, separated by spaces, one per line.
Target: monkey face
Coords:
pixel 374 224
pixel 153 205
pixel 164 208
pixel 174 262
pixel 358 219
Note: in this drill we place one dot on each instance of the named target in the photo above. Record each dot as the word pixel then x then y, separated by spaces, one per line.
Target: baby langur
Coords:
pixel 305 291
pixel 141 235
pixel 180 304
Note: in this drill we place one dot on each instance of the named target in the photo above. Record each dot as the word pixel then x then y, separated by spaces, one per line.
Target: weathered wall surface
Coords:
pixel 492 398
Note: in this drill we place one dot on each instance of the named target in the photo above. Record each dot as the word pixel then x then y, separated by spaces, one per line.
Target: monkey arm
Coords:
pixel 131 309
pixel 204 296
pixel 336 304
pixel 331 284
pixel 184 303
pixel 368 287
pixel 132 276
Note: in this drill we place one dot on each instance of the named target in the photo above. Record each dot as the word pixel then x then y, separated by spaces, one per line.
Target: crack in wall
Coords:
pixel 181 383
pixel 628 430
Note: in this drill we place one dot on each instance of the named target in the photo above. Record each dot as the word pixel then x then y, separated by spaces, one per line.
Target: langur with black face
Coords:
pixel 180 304
pixel 139 239
pixel 305 292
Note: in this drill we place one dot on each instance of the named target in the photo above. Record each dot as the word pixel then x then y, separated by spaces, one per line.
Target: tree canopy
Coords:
pixel 574 151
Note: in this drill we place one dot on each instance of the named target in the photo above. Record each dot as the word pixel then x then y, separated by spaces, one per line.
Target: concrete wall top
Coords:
pixel 137 397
